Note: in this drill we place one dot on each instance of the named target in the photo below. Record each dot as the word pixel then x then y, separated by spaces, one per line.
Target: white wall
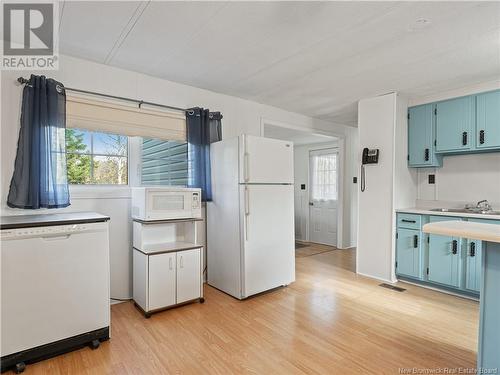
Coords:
pixel 240 116
pixel 390 184
pixel 462 178
pixel 301 175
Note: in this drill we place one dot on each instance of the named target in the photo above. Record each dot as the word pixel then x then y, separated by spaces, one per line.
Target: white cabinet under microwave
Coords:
pixel 165 203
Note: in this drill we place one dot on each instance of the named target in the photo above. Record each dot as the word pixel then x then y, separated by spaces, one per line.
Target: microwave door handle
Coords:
pixel 247 210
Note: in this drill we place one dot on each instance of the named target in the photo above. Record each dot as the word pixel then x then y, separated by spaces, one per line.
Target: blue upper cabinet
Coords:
pixel 488 120
pixel 455 124
pixel 469 124
pixel 421 137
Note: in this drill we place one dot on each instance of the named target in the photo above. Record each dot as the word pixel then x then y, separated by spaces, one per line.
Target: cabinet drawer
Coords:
pixel 409 221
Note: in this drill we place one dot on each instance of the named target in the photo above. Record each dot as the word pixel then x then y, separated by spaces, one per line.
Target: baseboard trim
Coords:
pixel 376 278
pixel 436 289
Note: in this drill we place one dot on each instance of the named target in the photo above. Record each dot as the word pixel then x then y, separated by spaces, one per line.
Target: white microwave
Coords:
pixel 165 203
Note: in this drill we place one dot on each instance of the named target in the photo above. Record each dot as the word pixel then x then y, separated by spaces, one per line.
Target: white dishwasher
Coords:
pixel 55 285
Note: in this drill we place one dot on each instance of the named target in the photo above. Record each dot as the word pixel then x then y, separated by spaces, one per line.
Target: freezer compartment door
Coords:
pixel 265 160
pixel 268 237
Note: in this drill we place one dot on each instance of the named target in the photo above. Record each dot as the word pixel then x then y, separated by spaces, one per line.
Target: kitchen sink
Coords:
pixel 467 211
pixel 492 213
pixel 457 210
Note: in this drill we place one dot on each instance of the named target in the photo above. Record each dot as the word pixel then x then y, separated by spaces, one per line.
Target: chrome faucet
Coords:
pixel 484 204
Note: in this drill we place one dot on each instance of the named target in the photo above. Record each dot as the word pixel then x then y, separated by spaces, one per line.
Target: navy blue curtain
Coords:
pixel 203 128
pixel 40 176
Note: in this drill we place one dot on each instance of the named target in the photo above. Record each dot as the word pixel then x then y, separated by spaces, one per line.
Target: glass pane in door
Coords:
pixel 324 177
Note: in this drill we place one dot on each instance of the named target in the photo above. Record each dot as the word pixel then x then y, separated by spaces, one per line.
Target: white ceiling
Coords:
pixel 298 137
pixel 315 58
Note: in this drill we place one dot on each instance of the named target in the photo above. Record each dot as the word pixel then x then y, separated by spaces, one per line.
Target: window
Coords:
pixel 164 162
pixel 96 158
pixel 324 176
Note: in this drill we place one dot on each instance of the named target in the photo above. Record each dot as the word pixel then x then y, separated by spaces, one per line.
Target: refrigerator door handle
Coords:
pixel 246 167
pixel 247 210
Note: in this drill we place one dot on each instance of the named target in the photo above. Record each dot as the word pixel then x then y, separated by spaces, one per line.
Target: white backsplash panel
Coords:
pixel 463 179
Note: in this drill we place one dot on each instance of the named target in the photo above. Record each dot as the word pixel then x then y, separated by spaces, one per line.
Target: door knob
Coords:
pixel 311 204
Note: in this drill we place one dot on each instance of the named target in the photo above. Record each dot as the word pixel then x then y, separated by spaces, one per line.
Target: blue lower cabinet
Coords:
pixel 445 260
pixel 451 262
pixel 445 257
pixel 473 265
pixel 409 253
pixel 473 259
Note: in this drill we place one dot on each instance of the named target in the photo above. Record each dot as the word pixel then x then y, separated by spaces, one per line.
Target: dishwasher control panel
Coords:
pixel 50 231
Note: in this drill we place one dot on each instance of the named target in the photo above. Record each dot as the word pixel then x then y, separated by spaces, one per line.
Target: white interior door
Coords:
pixel 323 167
pixel 268 237
pixel 266 160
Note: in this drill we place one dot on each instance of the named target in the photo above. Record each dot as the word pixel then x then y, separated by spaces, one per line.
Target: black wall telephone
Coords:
pixel 370 156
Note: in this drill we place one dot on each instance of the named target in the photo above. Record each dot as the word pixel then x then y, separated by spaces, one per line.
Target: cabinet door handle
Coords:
pixel 426 154
pixel 464 138
pixel 454 247
pixel 181 263
pixel 408 221
pixel 415 241
pixel 481 137
pixel 472 252
pixel 170 263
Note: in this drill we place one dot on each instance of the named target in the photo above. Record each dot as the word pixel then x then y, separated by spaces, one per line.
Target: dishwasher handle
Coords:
pixel 56 237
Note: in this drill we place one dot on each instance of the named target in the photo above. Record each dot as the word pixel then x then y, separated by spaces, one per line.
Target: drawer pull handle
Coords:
pixel 408 221
pixel 454 247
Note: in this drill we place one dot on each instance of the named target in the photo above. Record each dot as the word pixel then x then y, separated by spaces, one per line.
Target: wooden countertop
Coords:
pixel 465 229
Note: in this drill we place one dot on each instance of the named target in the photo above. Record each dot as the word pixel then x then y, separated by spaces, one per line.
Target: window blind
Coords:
pixel 106 116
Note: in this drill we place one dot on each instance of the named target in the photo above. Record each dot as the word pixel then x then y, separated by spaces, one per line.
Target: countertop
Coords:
pixel 28 221
pixel 465 229
pixel 167 247
pixel 426 211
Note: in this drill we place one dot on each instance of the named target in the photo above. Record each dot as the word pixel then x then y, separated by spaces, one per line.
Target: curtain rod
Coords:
pixel 23 80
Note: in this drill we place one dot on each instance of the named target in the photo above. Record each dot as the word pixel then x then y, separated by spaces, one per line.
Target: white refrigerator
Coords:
pixel 250 221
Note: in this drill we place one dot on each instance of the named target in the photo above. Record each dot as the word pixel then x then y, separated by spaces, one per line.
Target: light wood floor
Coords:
pixel 330 321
